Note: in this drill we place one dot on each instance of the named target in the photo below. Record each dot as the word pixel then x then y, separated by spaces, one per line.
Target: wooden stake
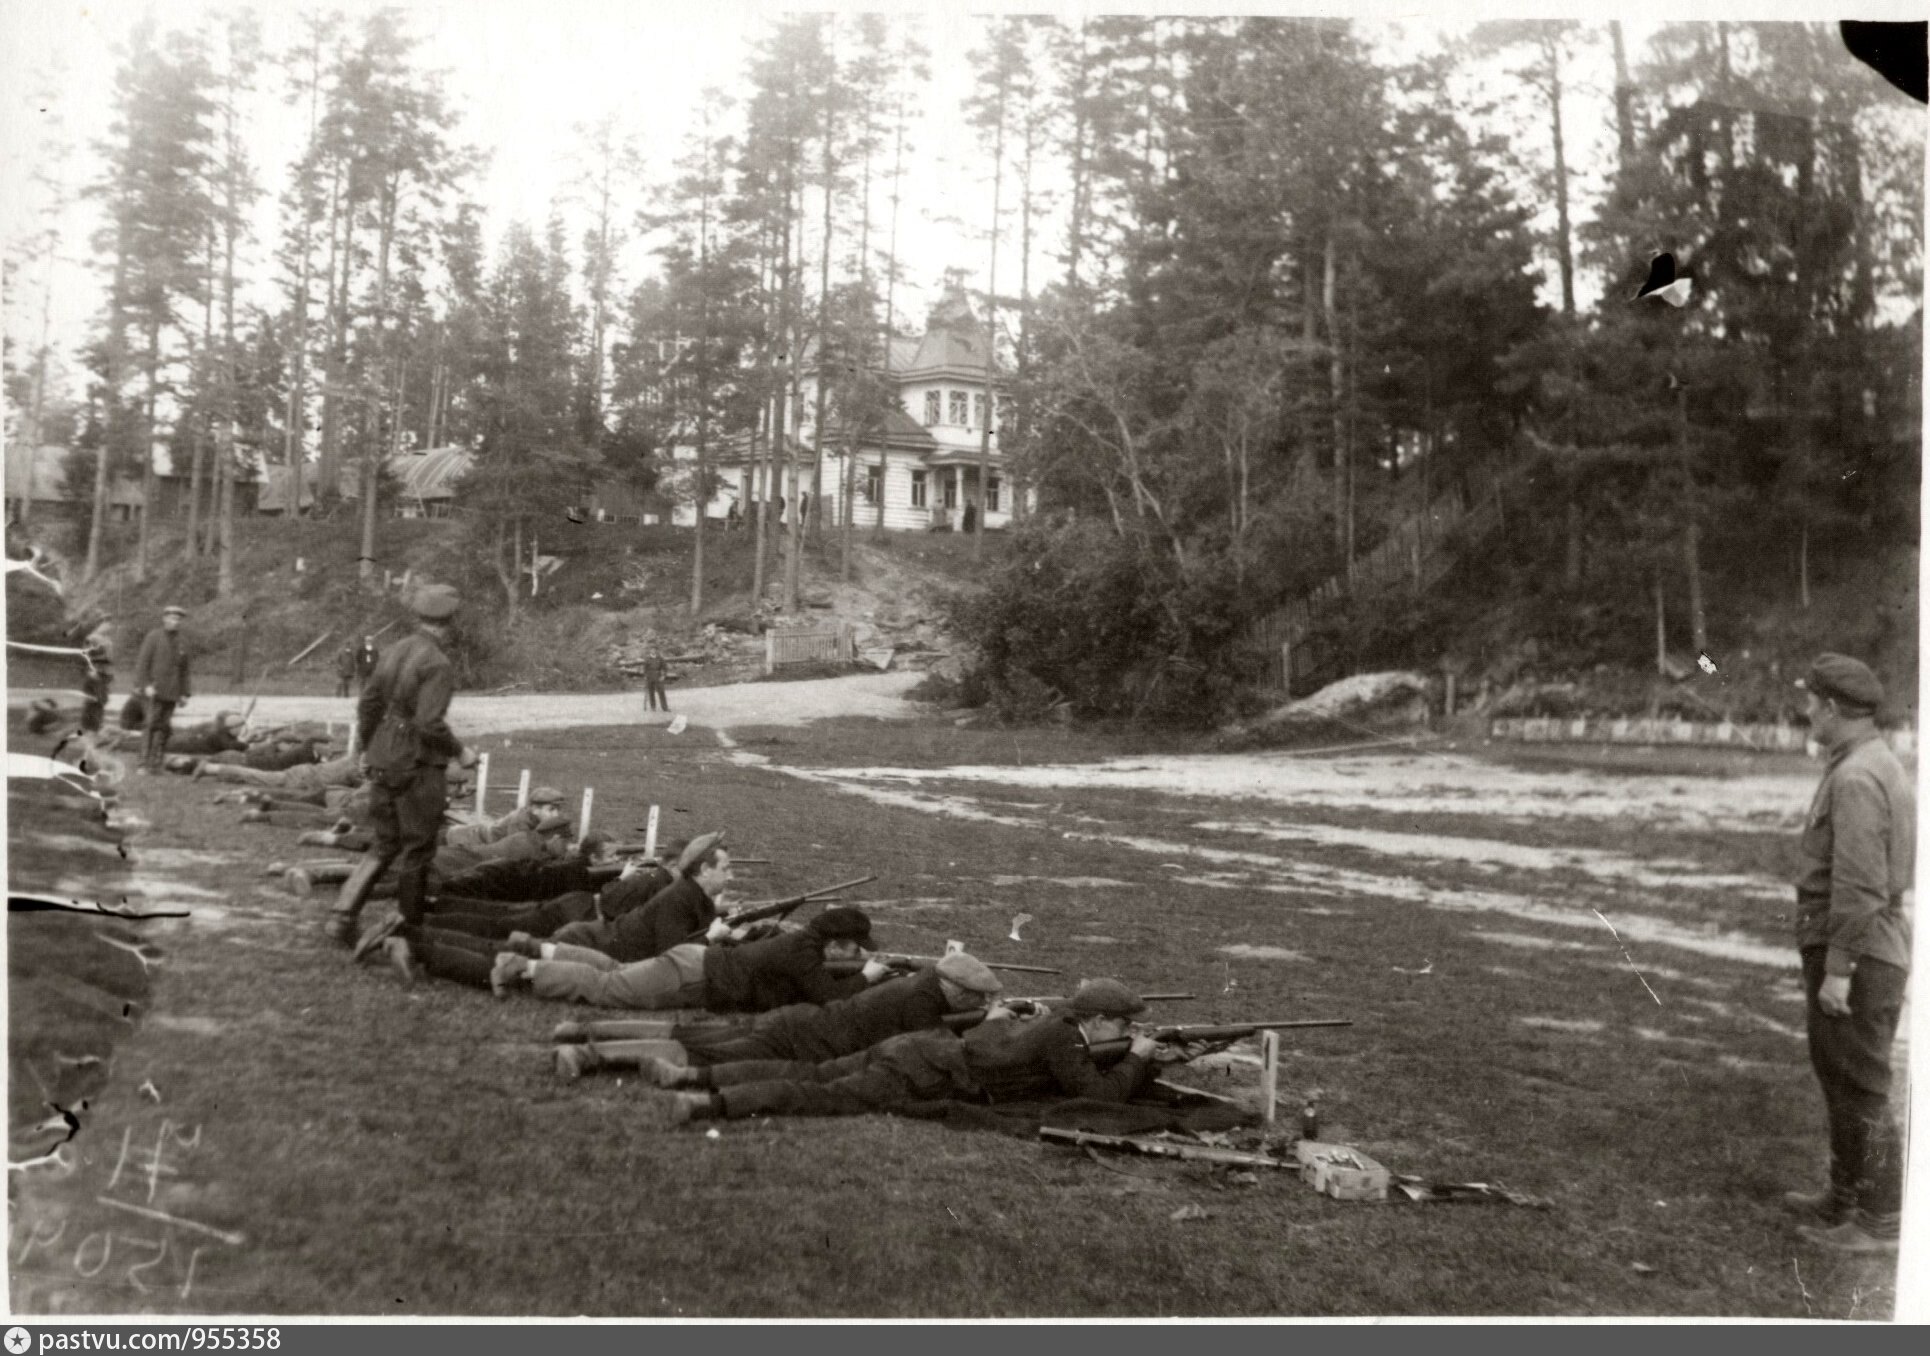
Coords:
pixel 482 781
pixel 650 834
pixel 1269 1073
pixel 522 789
pixel 583 823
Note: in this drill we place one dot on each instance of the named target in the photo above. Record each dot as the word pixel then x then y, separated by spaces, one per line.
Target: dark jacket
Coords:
pixel 667 920
pixel 622 896
pixel 887 1009
pixel 402 716
pixel 163 662
pixel 208 737
pixel 1019 1059
pixel 759 976
pixel 520 881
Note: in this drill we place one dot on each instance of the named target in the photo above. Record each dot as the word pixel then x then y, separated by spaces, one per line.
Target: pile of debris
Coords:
pixel 714 651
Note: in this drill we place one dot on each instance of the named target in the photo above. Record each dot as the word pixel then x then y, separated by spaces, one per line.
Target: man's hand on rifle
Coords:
pixel 875 970
pixel 1145 1047
pixel 718 931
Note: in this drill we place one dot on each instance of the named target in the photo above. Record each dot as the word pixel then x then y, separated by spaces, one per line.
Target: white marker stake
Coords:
pixel 1269 1072
pixel 583 824
pixel 650 834
pixel 522 789
pixel 482 780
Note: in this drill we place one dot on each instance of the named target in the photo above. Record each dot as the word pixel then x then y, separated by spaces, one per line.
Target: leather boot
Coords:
pixel 344 919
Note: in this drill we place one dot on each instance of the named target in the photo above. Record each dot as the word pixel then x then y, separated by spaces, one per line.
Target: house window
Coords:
pixel 931 408
pixel 957 407
pixel 874 484
pixel 992 495
pixel 978 411
pixel 918 488
pixel 951 490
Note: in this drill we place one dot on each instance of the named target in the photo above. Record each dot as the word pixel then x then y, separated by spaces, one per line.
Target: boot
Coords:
pixel 343 919
pixel 665 1074
pixel 573 1061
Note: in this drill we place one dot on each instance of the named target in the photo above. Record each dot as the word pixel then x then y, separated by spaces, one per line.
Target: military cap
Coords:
pixel 1105 998
pixel 841 925
pixel 174 610
pixel 969 972
pixel 546 795
pixel 435 602
pixel 697 849
pixel 552 823
pixel 1848 680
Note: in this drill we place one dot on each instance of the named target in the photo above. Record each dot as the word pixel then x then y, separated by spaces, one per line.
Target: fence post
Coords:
pixel 770 652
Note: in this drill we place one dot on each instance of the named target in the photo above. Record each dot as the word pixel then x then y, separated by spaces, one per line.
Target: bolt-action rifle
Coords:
pixel 779 908
pixel 1184 1043
pixel 1027 1007
pixel 911 964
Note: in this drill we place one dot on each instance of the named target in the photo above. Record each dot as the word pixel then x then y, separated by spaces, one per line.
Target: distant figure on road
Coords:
pixel 161 678
pixel 1853 927
pixel 366 658
pixel 653 677
pixel 344 669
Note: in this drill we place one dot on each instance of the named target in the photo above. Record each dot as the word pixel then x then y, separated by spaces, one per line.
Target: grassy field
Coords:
pixel 318 1139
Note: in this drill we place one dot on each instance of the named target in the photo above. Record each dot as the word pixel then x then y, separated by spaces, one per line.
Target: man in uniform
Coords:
pixel 161 681
pixel 1853 904
pixel 791 1041
pixel 403 730
pixel 1007 1059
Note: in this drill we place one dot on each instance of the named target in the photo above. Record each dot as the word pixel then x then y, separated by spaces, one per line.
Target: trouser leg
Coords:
pixel 1851 1056
pixel 877 1088
pixel 454 962
pixel 343 922
pixel 160 724
pixel 419 808
pixel 650 985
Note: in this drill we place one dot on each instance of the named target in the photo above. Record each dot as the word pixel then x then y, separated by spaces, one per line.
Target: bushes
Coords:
pixel 1081 616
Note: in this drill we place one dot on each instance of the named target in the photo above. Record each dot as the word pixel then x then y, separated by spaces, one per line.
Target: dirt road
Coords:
pixel 878 695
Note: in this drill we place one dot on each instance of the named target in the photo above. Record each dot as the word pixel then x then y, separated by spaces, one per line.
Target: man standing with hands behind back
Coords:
pixel 1853 904
pixel 161 677
pixel 403 729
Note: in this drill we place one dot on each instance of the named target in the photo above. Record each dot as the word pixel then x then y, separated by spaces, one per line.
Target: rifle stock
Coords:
pixel 909 964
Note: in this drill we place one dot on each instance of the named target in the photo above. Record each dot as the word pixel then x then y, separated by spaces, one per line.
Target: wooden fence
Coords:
pixel 830 644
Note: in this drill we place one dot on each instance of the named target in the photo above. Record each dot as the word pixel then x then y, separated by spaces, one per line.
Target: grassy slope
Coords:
pixel 391 1151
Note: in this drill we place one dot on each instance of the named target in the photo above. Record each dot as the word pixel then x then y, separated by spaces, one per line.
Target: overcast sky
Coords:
pixel 523 74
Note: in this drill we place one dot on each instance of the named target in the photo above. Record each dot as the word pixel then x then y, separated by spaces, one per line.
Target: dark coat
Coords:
pixel 622 896
pixel 402 716
pixel 1018 1060
pixel 206 738
pixel 667 920
pixel 163 662
pixel 887 1009
pixel 521 881
pixel 759 976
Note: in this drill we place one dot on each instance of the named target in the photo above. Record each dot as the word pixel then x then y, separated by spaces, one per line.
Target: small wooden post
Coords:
pixel 583 822
pixel 650 834
pixel 482 781
pixel 522 789
pixel 1269 1073
pixel 1450 692
pixel 770 653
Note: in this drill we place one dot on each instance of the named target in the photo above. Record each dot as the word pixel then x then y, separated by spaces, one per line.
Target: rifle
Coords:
pixel 961 1021
pixel 611 870
pixel 911 963
pixel 779 908
pixel 1211 1039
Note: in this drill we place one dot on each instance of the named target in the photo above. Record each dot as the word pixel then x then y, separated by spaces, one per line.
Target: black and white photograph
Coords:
pixel 959 663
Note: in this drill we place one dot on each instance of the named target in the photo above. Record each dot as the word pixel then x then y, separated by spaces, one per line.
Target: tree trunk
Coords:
pixel 1692 558
pixel 824 318
pixel 1336 393
pixel 794 563
pixel 1624 98
pixel 1571 571
pixel 147 450
pixel 991 330
pixel 341 239
pixel 1563 237
pixel 1661 630
pixel 372 444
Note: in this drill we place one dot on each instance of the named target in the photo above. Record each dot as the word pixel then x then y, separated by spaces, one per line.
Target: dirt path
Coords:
pixel 881 696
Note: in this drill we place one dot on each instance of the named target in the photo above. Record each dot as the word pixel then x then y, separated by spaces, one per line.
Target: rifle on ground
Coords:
pixel 910 964
pixel 962 1021
pixel 1209 1039
pixel 779 908
pixel 1192 1153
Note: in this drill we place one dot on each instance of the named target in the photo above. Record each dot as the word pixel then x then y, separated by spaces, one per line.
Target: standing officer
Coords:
pixel 403 730
pixel 1853 925
pixel 161 678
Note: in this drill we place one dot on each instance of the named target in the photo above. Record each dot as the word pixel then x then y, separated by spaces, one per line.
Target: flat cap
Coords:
pixel 841 925
pixel 1846 679
pixel 546 795
pixel 552 823
pixel 696 850
pixel 1104 998
pixel 969 972
pixel 174 610
pixel 435 602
